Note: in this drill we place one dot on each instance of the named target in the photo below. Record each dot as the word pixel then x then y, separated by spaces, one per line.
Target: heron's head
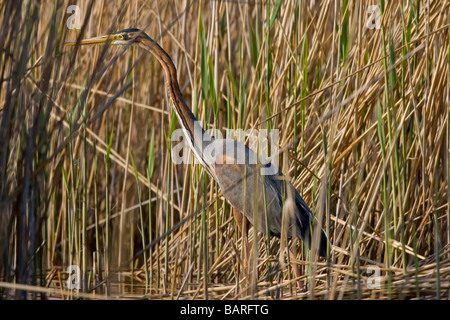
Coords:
pixel 117 38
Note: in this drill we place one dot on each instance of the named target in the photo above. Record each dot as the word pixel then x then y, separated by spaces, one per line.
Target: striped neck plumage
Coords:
pixel 196 136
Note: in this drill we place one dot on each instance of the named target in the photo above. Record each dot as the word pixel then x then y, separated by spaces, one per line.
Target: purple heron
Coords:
pixel 261 198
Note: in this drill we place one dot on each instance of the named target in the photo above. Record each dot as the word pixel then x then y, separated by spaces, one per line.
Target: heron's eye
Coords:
pixel 120 36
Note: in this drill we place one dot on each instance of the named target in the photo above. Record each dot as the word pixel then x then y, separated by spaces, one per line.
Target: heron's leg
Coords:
pixel 297 272
pixel 243 228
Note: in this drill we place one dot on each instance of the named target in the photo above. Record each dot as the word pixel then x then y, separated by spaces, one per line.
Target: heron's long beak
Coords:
pixel 97 40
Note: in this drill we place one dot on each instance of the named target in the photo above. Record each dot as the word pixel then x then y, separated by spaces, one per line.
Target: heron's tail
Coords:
pixel 321 247
pixel 323 244
pixel 306 227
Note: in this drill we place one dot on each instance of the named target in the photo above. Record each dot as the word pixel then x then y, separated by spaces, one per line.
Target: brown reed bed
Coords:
pixel 87 177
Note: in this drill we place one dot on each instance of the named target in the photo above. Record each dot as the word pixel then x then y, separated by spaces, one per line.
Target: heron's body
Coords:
pixel 265 197
pixel 269 202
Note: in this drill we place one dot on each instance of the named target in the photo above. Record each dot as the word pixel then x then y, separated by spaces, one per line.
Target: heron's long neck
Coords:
pixel 198 137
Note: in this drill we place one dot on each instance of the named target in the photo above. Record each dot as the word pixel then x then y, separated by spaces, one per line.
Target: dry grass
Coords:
pixel 364 128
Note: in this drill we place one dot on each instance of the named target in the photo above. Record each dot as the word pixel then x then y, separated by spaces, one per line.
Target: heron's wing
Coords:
pixel 302 217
